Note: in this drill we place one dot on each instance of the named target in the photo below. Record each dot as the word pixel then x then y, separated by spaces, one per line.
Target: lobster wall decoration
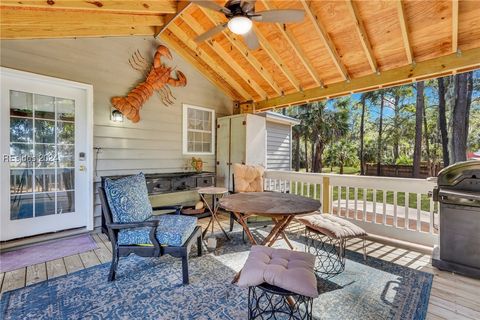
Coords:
pixel 157 79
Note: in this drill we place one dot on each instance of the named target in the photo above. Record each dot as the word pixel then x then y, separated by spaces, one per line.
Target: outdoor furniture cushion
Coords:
pixel 286 269
pixel 172 230
pixel 248 178
pixel 331 225
pixel 128 198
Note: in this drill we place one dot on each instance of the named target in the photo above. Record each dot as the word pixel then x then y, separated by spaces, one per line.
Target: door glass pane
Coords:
pixel 44 131
pixel 21 206
pixel 44 107
pixel 21 104
pixel 44 204
pixel 65 202
pixel 42 146
pixel 21 130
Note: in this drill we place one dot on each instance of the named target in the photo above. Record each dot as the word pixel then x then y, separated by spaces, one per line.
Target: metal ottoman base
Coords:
pixel 330 252
pixel 270 302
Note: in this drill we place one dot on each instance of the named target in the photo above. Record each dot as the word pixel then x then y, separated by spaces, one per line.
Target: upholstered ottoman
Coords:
pixel 280 282
pixel 327 236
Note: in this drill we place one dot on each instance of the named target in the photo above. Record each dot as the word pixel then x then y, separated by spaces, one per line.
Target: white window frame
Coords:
pixel 185 129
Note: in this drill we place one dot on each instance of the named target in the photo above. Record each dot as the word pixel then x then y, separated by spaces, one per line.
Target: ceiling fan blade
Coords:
pixel 210 33
pixel 280 16
pixel 210 4
pixel 251 40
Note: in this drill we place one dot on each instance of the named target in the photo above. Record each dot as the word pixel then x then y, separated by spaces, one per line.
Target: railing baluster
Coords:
pixel 407 210
pixel 347 196
pixel 384 207
pixel 364 204
pixel 419 209
pixel 314 191
pixel 355 199
pixel 330 197
pixel 395 221
pixel 339 191
pixel 321 186
pixel 375 205
pixel 303 187
pixel 308 190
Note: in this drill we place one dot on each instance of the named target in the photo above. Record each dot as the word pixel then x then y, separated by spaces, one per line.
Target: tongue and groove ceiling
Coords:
pixel 341 47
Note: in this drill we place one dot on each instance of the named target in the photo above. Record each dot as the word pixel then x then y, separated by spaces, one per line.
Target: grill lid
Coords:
pixel 453 175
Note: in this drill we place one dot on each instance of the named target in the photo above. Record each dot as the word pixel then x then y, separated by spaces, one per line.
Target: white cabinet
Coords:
pixel 240 139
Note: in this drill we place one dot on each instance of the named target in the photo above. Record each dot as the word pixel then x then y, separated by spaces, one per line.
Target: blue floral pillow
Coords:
pixel 128 198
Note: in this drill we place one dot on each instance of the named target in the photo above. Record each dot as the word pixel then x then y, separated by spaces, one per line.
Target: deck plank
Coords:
pixel 56 268
pixel 89 259
pixel 73 263
pixel 14 279
pixel 36 273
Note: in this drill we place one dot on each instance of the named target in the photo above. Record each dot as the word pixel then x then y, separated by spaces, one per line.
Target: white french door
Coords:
pixel 45 138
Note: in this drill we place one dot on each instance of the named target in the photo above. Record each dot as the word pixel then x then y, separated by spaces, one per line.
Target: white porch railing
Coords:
pixel 390 207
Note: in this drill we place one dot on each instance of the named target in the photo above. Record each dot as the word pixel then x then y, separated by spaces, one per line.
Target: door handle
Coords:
pixel 82 168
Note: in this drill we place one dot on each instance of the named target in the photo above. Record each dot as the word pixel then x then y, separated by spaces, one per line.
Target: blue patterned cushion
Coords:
pixel 128 198
pixel 172 230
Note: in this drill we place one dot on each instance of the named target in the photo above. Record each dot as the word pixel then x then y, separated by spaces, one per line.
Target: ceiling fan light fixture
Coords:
pixel 240 25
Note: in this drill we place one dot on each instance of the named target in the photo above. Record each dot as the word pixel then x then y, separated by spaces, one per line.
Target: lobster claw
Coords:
pixel 162 51
pixel 181 80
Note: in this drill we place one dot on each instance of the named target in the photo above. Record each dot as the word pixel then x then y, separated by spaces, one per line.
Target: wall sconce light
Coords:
pixel 116 116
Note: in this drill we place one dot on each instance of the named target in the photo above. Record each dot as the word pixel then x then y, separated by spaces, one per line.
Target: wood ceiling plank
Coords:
pixel 191 57
pixel 35 17
pixel 142 6
pixel 201 54
pixel 227 58
pixel 362 34
pixel 292 41
pixel 181 6
pixel 405 33
pixel 12 32
pixel 245 52
pixel 444 65
pixel 265 44
pixel 454 25
pixel 327 41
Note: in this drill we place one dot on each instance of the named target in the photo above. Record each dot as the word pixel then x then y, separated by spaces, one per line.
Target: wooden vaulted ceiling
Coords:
pixel 341 47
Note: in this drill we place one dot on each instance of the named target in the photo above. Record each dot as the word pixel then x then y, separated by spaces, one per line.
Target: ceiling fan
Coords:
pixel 241 15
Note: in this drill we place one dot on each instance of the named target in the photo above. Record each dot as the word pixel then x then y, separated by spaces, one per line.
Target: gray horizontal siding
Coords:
pixel 278 146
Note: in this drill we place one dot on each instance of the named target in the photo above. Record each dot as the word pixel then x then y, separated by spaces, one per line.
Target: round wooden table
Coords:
pixel 281 207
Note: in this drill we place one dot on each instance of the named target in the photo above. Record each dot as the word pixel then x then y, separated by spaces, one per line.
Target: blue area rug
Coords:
pixel 148 288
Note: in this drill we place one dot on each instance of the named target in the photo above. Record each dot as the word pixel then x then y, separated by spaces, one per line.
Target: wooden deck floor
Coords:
pixel 452 296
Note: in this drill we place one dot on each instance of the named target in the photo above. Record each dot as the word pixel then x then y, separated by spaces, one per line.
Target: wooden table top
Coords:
pixel 269 203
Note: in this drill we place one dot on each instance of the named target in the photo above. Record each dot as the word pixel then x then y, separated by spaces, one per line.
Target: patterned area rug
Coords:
pixel 148 288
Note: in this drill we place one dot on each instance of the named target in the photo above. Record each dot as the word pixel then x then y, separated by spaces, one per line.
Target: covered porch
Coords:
pixel 222 105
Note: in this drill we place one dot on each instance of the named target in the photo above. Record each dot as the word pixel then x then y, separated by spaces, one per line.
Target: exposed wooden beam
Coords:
pixel 9 32
pixel 142 6
pixel 265 44
pixel 181 6
pixel 441 66
pixel 35 17
pixel 227 58
pixel 362 34
pixel 210 61
pixel 292 41
pixel 202 67
pixel 405 33
pixel 245 52
pixel 454 25
pixel 327 41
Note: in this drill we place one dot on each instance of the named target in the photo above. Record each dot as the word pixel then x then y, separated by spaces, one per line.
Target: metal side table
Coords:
pixel 215 192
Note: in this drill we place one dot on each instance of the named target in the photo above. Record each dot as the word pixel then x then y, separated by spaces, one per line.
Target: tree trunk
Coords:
pixel 396 127
pixel 297 152
pixel 380 131
pixel 427 142
pixel 317 159
pixel 362 134
pixel 305 141
pixel 460 113
pixel 417 153
pixel 442 121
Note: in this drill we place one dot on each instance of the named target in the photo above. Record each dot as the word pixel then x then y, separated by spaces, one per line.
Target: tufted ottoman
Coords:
pixel 327 236
pixel 279 282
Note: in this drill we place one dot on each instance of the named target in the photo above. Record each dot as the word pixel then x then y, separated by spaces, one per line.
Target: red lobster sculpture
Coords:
pixel 158 79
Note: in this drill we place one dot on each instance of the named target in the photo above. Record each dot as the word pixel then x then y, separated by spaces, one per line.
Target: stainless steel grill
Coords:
pixel 458 194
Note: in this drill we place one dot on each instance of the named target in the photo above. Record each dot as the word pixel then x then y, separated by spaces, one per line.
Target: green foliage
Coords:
pixel 404 160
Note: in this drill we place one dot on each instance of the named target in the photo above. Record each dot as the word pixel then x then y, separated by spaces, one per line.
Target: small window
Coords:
pixel 198 130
